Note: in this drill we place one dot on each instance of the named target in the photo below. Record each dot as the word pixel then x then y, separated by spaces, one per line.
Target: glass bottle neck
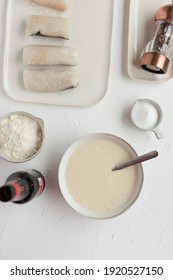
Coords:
pixel 13 191
pixel 22 186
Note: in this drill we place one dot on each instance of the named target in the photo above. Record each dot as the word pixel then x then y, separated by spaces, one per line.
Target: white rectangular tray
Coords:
pixel 142 29
pixel 91 36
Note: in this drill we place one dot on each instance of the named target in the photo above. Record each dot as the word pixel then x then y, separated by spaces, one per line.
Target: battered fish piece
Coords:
pixel 50 80
pixel 61 5
pixel 50 55
pixel 56 27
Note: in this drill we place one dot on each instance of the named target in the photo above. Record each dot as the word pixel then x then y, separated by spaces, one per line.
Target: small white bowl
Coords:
pixel 65 190
pixel 154 128
pixel 41 127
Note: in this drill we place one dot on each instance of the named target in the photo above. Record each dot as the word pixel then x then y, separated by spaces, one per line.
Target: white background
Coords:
pixel 47 228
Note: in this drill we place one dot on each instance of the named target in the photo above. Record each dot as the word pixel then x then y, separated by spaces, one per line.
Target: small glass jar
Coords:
pixel 156 56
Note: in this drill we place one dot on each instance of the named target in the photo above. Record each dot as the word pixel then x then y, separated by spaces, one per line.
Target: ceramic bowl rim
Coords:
pixel 41 125
pixel 64 188
pixel 150 101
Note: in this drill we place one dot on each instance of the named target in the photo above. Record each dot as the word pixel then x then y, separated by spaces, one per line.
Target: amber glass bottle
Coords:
pixel 22 186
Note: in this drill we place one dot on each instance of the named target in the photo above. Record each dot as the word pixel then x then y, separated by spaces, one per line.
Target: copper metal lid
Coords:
pixel 154 62
pixel 164 13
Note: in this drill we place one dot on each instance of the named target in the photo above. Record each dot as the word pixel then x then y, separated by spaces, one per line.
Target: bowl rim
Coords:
pixel 39 121
pixel 64 188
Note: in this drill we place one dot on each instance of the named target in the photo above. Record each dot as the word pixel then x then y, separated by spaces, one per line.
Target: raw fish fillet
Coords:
pixel 50 80
pixel 62 5
pixel 50 55
pixel 58 27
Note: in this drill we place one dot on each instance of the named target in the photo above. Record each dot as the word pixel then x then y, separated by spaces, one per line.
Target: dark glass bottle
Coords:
pixel 22 186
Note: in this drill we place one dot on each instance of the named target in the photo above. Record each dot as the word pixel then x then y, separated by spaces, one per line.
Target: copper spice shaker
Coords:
pixel 156 56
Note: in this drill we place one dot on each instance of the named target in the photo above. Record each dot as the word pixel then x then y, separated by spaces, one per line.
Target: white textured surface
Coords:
pixel 47 228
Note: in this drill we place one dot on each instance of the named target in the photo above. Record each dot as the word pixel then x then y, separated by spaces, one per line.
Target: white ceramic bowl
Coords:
pixel 64 187
pixel 41 127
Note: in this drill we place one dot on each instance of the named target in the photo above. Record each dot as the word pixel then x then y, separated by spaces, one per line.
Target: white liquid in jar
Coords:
pixel 90 178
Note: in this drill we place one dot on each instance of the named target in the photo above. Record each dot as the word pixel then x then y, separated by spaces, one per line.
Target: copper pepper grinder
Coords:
pixel 156 56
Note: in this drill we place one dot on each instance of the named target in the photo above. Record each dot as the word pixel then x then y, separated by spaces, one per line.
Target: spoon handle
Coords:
pixel 137 160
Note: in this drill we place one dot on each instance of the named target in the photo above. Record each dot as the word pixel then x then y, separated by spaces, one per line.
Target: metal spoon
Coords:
pixel 137 160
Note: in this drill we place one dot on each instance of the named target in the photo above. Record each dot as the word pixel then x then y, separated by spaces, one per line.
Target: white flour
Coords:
pixel 20 137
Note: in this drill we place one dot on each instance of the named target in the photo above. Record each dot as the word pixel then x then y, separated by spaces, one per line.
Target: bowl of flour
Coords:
pixel 21 136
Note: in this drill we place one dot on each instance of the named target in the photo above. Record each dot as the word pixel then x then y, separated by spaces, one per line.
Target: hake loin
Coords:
pixel 50 80
pixel 50 55
pixel 48 26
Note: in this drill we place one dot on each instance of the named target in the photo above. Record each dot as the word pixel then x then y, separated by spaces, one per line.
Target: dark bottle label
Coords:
pixel 19 189
pixel 40 179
